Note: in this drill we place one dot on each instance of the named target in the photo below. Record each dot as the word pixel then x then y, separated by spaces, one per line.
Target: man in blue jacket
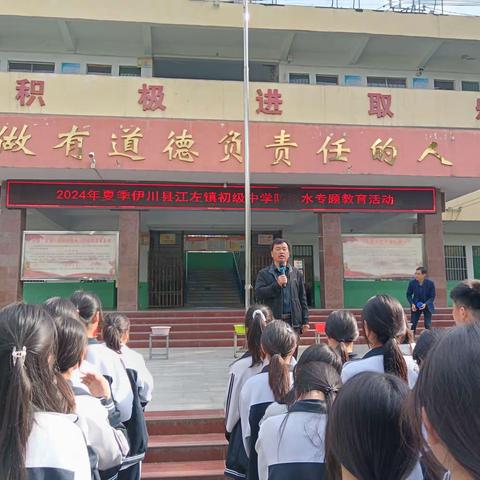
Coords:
pixel 420 296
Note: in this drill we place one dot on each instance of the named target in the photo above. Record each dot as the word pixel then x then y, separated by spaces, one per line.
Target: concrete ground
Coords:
pixel 193 378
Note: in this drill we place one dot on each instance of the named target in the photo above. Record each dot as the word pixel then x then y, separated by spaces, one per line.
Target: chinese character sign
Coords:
pixel 380 105
pixel 30 91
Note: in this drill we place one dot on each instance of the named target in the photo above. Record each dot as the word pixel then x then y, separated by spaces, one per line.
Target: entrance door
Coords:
pixel 165 270
pixel 476 262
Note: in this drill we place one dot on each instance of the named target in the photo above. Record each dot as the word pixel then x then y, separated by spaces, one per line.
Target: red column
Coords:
pixel 128 252
pixel 431 226
pixel 12 225
pixel 331 259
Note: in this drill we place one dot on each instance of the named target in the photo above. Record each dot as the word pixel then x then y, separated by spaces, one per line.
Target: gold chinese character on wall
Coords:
pixel 73 142
pixel 232 146
pixel 282 145
pixel 180 147
pixel 432 150
pixel 13 142
pixel 130 147
pixel 334 151
pixel 384 152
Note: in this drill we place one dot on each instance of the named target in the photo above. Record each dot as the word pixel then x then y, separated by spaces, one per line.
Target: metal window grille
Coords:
pixel 455 262
pixel 389 82
pixel 468 86
pixel 35 67
pixel 99 69
pixel 326 79
pixel 444 85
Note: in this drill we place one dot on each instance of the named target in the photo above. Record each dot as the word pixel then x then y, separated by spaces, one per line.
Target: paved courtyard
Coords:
pixel 193 378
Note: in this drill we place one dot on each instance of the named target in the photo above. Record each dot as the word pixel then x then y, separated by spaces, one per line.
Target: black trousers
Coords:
pixel 132 473
pixel 427 316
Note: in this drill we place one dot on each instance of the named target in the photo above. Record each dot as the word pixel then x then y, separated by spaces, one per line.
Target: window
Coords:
pixel 36 67
pixel 299 78
pixel 455 262
pixel 327 80
pixel 470 86
pixel 353 80
pixel 99 69
pixel 387 82
pixel 128 71
pixel 444 85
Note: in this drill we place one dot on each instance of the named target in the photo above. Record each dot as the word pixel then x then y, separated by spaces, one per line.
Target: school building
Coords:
pixel 122 156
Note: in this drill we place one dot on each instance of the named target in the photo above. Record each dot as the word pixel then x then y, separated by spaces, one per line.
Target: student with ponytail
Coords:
pixel 292 445
pixel 256 319
pixel 108 445
pixel 342 330
pixel 116 332
pixel 384 323
pixel 37 439
pixel 100 356
pixel 272 384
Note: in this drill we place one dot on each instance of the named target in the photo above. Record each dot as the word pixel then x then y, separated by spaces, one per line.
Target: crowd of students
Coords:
pixel 394 414
pixel 71 407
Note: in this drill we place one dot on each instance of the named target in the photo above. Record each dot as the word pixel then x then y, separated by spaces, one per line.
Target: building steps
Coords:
pixel 214 328
pixel 185 445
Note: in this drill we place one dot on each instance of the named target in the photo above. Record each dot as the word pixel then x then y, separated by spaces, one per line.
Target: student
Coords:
pixel 292 445
pixel 251 363
pixel 37 439
pixel 100 356
pixel 342 330
pixel 273 383
pixel 109 445
pixel 446 399
pixel 366 437
pixel 426 341
pixel 318 352
pixel 116 335
pixel 384 322
pixel 115 332
pixel 466 302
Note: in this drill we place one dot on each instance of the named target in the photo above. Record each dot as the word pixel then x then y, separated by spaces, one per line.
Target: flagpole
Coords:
pixel 246 129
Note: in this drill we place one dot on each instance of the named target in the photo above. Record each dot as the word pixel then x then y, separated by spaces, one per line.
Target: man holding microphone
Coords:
pixel 420 296
pixel 282 288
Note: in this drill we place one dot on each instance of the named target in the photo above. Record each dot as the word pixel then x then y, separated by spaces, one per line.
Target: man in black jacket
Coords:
pixel 282 288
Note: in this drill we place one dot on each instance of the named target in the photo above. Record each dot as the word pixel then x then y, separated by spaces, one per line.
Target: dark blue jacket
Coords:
pixel 421 293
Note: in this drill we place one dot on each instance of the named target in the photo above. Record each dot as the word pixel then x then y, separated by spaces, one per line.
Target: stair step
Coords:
pixel 185 422
pixel 180 448
pixel 205 470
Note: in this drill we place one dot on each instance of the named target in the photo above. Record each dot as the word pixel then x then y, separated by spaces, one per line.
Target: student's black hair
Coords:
pixel 384 315
pixel 317 376
pixel 425 342
pixel 318 352
pixel 279 241
pixel 256 319
pixel 87 304
pixel 467 294
pixel 27 383
pixel 71 342
pixel 61 307
pixel 114 326
pixel 279 340
pixel 365 431
pixel 342 326
pixel 448 391
pixel 422 270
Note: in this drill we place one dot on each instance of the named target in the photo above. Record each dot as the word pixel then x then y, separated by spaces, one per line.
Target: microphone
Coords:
pixel 283 270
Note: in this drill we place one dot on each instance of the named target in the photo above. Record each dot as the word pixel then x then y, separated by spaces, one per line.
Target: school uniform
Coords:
pixel 108 363
pixel 141 386
pixel 109 444
pixel 135 361
pixel 56 449
pixel 255 397
pixel 292 445
pixel 236 463
pixel 372 361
